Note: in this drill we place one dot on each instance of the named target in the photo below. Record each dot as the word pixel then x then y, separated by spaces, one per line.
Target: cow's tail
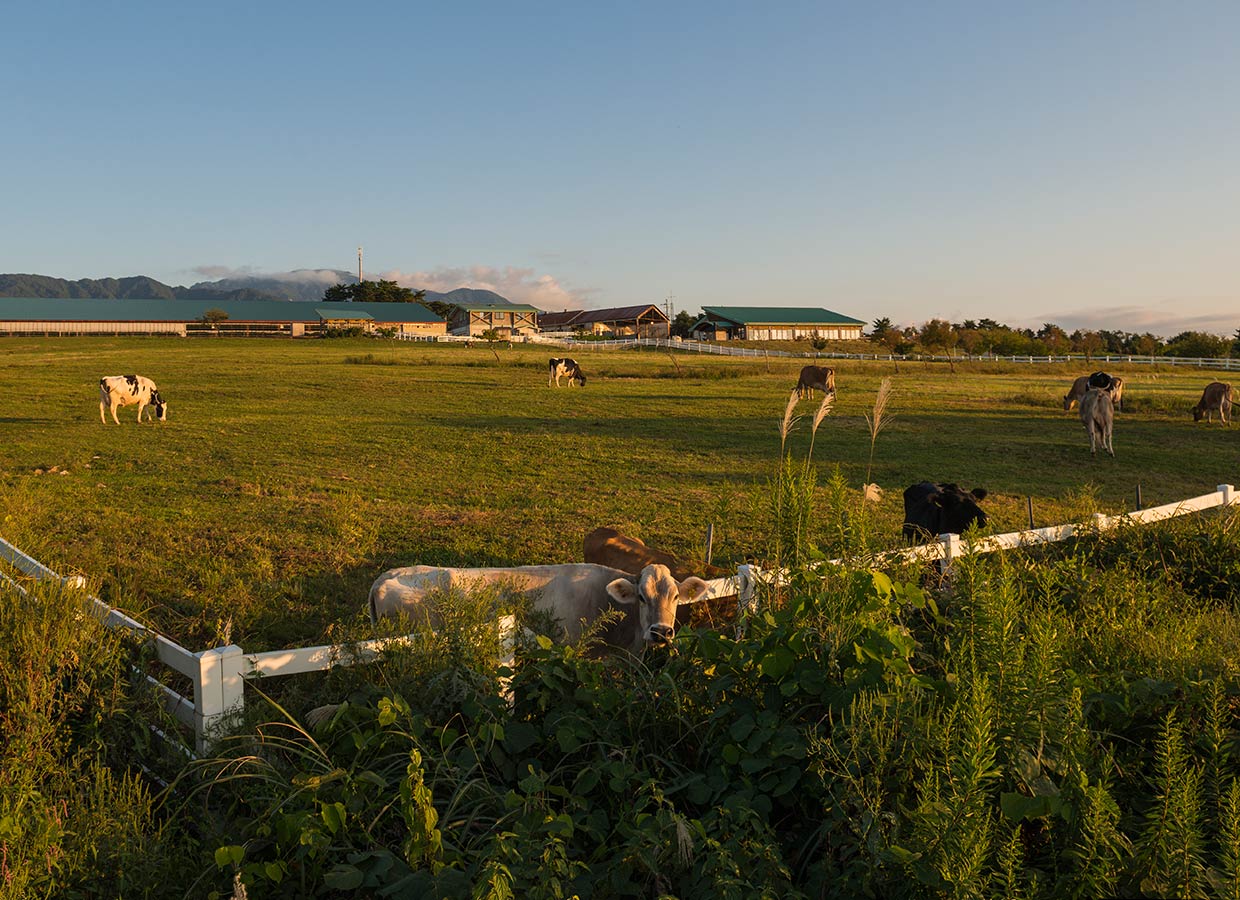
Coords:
pixel 371 599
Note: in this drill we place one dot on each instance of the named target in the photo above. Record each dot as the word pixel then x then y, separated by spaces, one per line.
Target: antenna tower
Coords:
pixel 359 265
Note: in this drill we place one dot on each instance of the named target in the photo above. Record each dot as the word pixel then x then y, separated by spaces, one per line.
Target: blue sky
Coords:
pixel 1050 161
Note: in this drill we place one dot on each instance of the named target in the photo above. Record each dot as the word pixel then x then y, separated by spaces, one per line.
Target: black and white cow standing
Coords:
pixel 565 366
pixel 126 390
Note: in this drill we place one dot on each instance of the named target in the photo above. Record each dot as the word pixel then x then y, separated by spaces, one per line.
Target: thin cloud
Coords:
pixel 517 284
pixel 300 276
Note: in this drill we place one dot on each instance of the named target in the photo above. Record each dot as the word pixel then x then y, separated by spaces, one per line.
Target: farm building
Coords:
pixel 506 319
pixel 776 323
pixel 291 318
pixel 624 321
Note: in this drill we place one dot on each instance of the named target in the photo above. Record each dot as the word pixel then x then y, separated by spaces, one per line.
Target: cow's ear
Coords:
pixel 622 591
pixel 979 493
pixel 692 589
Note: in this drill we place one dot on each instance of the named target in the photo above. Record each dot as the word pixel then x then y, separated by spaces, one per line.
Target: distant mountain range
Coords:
pixel 140 287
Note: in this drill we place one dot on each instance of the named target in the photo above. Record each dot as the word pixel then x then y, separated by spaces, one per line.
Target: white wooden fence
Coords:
pixel 218 675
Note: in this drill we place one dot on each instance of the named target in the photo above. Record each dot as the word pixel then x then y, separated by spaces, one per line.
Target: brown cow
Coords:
pixel 1217 395
pixel 820 377
pixel 1076 392
pixel 1117 392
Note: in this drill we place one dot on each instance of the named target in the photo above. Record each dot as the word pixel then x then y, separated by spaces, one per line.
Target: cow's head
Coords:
pixel 959 508
pixel 161 407
pixel 657 594
pixel 580 376
pixel 1198 412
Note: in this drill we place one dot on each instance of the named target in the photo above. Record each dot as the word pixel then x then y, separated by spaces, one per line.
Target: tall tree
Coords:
pixel 372 292
pixel 682 324
pixel 938 334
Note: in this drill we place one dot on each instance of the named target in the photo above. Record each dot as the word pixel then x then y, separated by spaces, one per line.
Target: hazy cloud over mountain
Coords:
pixel 518 285
pixel 299 276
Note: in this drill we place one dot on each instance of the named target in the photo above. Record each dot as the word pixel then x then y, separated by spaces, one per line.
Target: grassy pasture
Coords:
pixel 291 473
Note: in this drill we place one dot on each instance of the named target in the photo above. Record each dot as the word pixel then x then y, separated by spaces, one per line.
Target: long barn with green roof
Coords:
pixel 775 323
pixel 289 318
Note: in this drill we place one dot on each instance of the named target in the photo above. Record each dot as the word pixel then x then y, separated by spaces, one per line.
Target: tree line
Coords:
pixel 985 336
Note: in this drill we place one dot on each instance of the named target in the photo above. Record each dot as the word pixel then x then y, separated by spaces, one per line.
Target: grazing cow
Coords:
pixel 126 390
pixel 574 593
pixel 1117 392
pixel 567 367
pixel 812 377
pixel 1076 392
pixel 1097 415
pixel 1217 395
pixel 1113 385
pixel 931 509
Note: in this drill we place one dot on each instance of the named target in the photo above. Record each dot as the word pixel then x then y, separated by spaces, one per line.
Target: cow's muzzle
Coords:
pixel 660 634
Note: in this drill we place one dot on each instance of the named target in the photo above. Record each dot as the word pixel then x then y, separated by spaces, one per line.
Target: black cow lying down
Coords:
pixel 931 509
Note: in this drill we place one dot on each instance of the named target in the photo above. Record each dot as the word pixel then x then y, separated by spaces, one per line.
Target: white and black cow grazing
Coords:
pixel 576 594
pixel 820 377
pixel 932 508
pixel 1216 396
pixel 565 366
pixel 1098 416
pixel 126 390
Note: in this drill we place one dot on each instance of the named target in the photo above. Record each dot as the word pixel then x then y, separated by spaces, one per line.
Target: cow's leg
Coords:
pixel 114 407
pixel 103 411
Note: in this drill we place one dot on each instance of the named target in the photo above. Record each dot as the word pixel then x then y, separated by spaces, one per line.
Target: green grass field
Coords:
pixel 290 474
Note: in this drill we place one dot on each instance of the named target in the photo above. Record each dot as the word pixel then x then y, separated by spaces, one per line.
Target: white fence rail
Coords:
pixel 219 674
pixel 716 349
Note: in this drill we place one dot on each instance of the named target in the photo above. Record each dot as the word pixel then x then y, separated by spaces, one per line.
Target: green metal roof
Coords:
pixel 777 315
pixel 497 307
pixel 38 309
pixel 345 314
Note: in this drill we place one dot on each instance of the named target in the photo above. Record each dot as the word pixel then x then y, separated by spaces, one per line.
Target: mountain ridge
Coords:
pixel 143 287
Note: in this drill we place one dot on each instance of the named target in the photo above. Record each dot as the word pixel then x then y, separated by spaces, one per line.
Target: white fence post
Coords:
pixel 1228 492
pixel 746 602
pixel 951 551
pixel 219 693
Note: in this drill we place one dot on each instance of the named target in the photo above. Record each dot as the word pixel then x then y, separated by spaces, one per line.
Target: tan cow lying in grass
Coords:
pixel 575 594
pixel 608 547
